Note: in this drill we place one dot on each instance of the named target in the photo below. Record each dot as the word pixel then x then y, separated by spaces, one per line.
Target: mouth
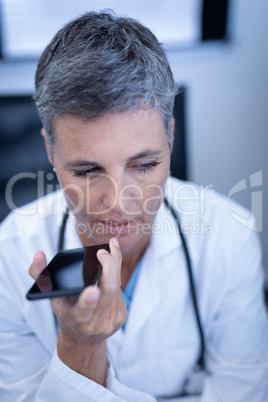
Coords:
pixel 117 227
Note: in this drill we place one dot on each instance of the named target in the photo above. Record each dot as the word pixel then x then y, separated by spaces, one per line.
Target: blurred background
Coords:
pixel 218 51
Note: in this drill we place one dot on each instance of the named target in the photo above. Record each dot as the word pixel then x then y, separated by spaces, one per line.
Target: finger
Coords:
pixel 115 249
pixel 111 266
pixel 86 304
pixel 38 265
pixel 116 253
pixel 111 282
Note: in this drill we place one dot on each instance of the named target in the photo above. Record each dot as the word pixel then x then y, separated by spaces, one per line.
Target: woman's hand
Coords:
pixel 86 321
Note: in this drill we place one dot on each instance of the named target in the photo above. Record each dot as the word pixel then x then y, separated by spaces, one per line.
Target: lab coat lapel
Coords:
pixel 150 289
pixel 152 283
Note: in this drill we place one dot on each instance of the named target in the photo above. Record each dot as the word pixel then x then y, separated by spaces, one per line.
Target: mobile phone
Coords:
pixel 68 273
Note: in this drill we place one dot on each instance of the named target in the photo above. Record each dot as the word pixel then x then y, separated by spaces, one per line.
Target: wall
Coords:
pixel 227 103
pixel 228 108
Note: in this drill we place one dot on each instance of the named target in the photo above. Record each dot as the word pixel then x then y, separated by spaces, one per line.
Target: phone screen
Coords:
pixel 68 273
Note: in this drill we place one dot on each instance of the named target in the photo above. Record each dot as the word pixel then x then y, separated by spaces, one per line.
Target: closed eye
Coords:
pixel 87 172
pixel 94 171
pixel 145 167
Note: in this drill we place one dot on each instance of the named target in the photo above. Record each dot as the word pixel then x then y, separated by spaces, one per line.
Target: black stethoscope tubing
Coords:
pixel 62 230
pixel 200 362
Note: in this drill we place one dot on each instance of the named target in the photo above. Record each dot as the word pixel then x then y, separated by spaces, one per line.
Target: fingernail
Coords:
pixel 115 242
pixel 102 251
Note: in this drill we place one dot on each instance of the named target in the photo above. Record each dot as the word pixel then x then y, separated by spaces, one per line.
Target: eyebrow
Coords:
pixel 144 154
pixel 81 163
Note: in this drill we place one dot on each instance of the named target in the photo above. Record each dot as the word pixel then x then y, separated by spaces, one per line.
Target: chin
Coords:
pixel 127 241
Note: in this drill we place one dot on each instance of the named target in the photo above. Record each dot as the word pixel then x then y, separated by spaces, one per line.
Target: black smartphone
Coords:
pixel 68 273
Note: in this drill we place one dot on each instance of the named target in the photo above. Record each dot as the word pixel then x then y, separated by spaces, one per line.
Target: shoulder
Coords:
pixel 222 241
pixel 224 248
pixel 201 210
pixel 25 222
pixel 33 227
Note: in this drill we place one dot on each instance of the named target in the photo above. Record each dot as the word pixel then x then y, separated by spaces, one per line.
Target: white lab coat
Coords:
pixel 152 357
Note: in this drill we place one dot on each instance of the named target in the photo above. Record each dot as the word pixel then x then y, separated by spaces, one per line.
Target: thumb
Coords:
pixel 38 265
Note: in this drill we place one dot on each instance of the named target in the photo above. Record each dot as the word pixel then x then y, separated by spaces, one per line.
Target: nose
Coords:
pixel 121 195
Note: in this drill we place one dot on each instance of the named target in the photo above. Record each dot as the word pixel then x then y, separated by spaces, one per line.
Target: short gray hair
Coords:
pixel 101 63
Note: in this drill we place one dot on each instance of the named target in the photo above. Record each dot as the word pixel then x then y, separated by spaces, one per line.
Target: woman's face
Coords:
pixel 113 171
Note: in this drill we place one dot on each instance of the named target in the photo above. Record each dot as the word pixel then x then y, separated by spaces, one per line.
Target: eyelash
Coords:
pixel 147 167
pixel 142 168
pixel 85 173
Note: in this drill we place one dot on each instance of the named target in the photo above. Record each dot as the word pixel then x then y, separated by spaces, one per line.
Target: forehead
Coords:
pixel 124 130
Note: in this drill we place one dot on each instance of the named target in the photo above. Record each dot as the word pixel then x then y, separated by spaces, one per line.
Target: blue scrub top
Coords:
pixel 128 292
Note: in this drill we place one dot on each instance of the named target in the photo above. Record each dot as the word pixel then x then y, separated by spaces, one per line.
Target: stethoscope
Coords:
pixel 193 383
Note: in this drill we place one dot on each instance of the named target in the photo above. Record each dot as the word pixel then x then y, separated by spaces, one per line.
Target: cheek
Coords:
pixel 154 194
pixel 85 198
pixel 75 194
pixel 75 198
pixel 152 199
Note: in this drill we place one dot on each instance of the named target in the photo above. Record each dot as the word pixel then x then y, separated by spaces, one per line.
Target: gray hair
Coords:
pixel 100 63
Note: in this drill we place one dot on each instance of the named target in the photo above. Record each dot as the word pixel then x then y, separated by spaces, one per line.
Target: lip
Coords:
pixel 117 227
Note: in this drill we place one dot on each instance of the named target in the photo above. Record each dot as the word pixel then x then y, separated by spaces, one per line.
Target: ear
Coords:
pixel 44 135
pixel 172 130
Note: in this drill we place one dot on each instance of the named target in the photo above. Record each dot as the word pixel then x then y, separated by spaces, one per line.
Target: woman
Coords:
pixel 105 93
